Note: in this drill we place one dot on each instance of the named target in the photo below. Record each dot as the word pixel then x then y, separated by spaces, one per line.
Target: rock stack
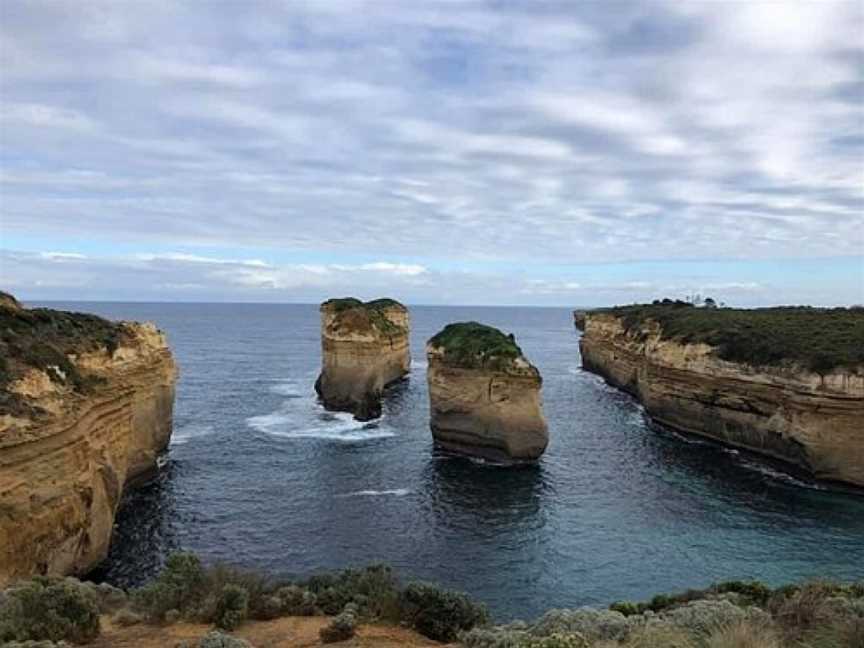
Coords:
pixel 364 348
pixel 484 395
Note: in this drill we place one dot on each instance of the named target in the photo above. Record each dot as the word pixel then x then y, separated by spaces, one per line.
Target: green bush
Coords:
pixel 218 639
pixel 573 640
pixel 297 601
pixel 342 627
pixel 473 345
pixel 818 339
pixel 232 607
pixel 374 589
pixel 439 614
pixel 49 609
pixel 181 585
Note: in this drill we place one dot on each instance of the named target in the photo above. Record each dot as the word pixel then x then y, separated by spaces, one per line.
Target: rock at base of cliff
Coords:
pixel 485 398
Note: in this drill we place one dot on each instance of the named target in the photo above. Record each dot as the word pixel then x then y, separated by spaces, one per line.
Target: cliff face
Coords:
pixel 814 421
pixel 73 436
pixel 490 409
pixel 364 348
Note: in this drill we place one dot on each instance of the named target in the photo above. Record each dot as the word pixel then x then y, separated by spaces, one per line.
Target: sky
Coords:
pixel 439 152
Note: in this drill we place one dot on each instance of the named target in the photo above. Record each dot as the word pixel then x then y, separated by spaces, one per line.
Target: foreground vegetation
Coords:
pixel 41 338
pixel 727 615
pixel 472 345
pixel 819 339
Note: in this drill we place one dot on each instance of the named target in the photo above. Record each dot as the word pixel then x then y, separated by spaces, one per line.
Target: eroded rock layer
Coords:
pixel 364 348
pixel 814 421
pixel 86 408
pixel 483 404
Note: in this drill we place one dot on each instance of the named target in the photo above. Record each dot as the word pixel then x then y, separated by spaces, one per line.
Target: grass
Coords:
pixel 818 339
pixel 357 314
pixel 473 345
pixel 43 339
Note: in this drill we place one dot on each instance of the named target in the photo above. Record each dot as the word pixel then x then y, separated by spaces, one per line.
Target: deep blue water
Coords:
pixel 258 475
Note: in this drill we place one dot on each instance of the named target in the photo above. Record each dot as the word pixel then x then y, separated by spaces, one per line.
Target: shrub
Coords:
pixel 296 601
pixel 593 624
pixel 342 627
pixel 439 614
pixel 232 607
pixel 179 586
pixel 258 588
pixel 558 640
pixel 803 608
pixel 471 345
pixel 744 635
pixel 701 618
pixel 49 609
pixel 657 635
pixel 514 635
pixel 374 589
pixel 127 617
pixel 218 639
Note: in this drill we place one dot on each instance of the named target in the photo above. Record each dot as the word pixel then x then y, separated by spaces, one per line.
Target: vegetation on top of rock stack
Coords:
pixel 355 313
pixel 818 339
pixel 472 345
pixel 42 338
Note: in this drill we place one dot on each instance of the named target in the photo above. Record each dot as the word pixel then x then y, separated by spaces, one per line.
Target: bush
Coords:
pixel 514 635
pixel 49 609
pixel 701 618
pixel 126 617
pixel 232 607
pixel 439 614
pixel 374 589
pixel 296 601
pixel 218 639
pixel 179 586
pixel 473 345
pixel 594 624
pixel 258 588
pixel 744 635
pixel 342 627
pixel 657 635
pixel 558 641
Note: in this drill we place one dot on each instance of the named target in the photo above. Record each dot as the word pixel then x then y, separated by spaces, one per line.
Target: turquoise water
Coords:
pixel 257 474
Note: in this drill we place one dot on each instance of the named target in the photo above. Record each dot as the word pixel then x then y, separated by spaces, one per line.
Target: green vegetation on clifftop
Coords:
pixel 818 339
pixel 473 345
pixel 41 338
pixel 356 313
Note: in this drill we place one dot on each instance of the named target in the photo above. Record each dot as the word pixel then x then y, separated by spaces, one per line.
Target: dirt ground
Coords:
pixel 287 632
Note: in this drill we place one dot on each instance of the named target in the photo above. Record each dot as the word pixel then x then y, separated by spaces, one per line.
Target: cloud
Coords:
pixel 434 135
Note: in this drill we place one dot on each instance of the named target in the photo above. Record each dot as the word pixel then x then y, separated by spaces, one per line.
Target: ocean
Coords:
pixel 259 475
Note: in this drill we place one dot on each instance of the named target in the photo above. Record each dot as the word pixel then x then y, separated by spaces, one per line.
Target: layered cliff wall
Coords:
pixel 86 408
pixel 485 397
pixel 364 348
pixel 811 419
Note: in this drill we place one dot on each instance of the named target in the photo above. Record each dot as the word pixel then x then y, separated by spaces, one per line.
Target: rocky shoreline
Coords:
pixel 87 408
pixel 785 410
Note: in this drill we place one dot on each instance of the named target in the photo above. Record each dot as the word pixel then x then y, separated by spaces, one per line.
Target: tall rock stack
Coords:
pixel 484 395
pixel 85 408
pixel 364 348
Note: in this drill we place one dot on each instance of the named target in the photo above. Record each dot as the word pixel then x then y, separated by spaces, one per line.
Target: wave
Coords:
pixel 185 433
pixel 288 388
pixel 396 492
pixel 313 422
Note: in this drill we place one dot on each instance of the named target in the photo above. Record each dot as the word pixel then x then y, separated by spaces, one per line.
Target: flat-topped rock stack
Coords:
pixel 364 348
pixel 484 395
pixel 85 408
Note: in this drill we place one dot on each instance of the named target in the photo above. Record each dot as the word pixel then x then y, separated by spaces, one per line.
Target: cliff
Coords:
pixel 484 395
pixel 786 383
pixel 364 348
pixel 85 408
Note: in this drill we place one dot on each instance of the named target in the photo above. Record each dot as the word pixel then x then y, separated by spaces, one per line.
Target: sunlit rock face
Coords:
pixel 85 409
pixel 810 420
pixel 485 396
pixel 364 348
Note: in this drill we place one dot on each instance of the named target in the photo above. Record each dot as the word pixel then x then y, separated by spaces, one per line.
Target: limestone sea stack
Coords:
pixel 85 409
pixel 364 348
pixel 787 383
pixel 484 395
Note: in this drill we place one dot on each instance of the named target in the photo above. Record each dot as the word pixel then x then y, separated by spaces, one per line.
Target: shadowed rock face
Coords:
pixel 813 421
pixel 482 405
pixel 364 348
pixel 85 408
